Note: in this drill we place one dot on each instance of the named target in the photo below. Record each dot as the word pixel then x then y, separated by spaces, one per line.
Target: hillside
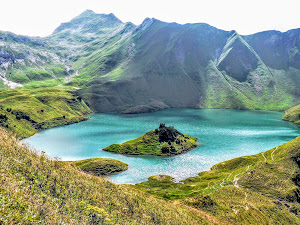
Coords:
pixel 192 65
pixel 25 111
pixel 25 59
pixel 37 190
pixel 293 115
pixel 258 189
pixel 164 141
pixel 122 67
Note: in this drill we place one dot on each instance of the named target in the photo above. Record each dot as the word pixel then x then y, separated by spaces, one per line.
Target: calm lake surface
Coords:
pixel 223 134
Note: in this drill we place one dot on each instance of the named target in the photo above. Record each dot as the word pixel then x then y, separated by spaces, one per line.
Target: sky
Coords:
pixel 41 17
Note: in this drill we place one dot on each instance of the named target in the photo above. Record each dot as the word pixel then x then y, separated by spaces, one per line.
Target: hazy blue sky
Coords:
pixel 41 17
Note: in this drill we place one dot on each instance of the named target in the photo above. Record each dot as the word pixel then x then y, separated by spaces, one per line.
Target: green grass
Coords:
pixel 44 83
pixel 25 111
pixel 35 189
pixel 225 92
pixel 293 115
pixel 101 166
pixel 258 189
pixel 164 141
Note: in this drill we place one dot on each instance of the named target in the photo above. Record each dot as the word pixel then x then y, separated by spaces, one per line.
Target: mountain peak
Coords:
pixel 88 11
pixel 145 24
pixel 89 22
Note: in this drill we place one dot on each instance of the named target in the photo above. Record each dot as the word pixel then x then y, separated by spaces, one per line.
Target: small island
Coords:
pixel 164 141
pixel 101 166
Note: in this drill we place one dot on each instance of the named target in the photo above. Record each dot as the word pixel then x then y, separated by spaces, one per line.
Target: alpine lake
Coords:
pixel 223 134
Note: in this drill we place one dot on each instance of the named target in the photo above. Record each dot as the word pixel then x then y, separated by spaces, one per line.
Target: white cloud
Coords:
pixel 36 17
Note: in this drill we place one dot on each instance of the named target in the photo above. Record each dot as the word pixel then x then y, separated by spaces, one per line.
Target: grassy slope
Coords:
pixel 24 111
pixel 293 115
pixel 259 189
pixel 37 190
pixel 29 59
pixel 150 144
pixel 101 166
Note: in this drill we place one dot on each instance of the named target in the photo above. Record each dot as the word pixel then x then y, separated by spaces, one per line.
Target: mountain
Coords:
pixel 122 67
pixel 88 23
pixel 26 111
pixel 24 59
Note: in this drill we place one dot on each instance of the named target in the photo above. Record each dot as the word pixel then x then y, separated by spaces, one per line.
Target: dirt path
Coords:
pixel 235 181
pixel 273 152
pixel 263 154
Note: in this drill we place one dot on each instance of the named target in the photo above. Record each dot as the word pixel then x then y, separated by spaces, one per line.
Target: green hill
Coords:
pixel 164 141
pixel 293 115
pixel 25 111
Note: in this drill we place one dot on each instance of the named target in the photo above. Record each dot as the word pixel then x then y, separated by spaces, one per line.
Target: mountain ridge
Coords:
pixel 200 65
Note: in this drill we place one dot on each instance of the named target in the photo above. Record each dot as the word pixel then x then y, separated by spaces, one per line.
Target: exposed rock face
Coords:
pixel 166 134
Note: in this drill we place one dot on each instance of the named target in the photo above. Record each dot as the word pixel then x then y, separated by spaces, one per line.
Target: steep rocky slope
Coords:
pixel 192 65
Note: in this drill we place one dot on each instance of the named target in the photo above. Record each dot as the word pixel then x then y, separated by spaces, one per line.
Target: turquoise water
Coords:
pixel 223 134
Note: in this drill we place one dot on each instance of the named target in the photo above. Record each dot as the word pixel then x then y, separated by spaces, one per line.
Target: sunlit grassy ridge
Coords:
pixel 293 115
pixel 25 111
pixel 258 189
pixel 37 190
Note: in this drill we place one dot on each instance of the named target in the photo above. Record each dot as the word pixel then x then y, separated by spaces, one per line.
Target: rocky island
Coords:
pixel 164 141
